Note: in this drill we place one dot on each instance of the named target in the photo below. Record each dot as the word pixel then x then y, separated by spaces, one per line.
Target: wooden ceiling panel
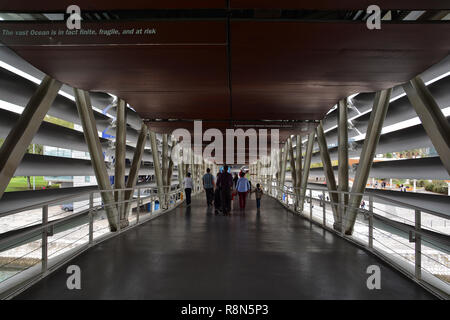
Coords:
pixel 280 70
pixel 133 69
pixel 103 5
pixel 274 105
pixel 298 70
pixel 340 5
pixel 181 71
pixel 179 105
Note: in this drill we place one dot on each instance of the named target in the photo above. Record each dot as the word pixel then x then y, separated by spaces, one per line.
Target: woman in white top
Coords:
pixel 188 186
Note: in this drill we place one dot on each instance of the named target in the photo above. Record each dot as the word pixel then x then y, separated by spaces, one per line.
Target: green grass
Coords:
pixel 20 184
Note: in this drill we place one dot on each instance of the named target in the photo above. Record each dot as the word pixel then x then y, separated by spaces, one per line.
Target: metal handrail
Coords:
pixel 54 223
pixel 395 202
pixel 387 199
pixel 415 232
pixel 65 198
pixel 365 212
pixel 41 230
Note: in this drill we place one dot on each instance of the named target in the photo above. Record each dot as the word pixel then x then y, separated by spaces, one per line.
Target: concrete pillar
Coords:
pixel 119 163
pixel 306 167
pixel 329 175
pixel 19 138
pixel 90 132
pixel 377 116
pixel 433 120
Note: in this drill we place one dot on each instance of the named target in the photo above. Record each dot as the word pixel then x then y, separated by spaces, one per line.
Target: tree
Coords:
pixel 35 149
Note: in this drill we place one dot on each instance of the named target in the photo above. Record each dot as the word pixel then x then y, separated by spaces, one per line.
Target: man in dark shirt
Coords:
pixel 208 185
pixel 225 182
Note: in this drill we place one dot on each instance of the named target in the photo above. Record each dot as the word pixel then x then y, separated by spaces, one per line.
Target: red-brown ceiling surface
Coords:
pixel 299 70
pixel 95 5
pixel 340 4
pixel 60 5
pixel 279 70
pixel 285 128
pixel 179 72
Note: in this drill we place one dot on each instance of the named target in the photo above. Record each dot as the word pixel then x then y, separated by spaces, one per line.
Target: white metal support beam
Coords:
pixel 293 166
pixel 156 164
pixel 170 169
pixel 119 161
pixel 164 164
pixel 377 116
pixel 86 113
pixel 306 167
pixel 292 163
pixel 284 160
pixel 135 166
pixel 181 171
pixel 329 175
pixel 21 135
pixel 343 155
pixel 280 165
pixel 432 118
pixel 298 167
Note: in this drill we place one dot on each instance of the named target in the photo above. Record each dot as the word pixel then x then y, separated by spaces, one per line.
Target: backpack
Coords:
pixel 224 181
pixel 208 179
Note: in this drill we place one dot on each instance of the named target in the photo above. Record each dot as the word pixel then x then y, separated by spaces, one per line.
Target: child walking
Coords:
pixel 258 192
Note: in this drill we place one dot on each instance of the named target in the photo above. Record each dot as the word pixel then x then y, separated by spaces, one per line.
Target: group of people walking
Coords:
pixel 219 190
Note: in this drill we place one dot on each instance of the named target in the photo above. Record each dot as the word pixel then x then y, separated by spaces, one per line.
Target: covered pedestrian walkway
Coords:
pixel 107 107
pixel 191 253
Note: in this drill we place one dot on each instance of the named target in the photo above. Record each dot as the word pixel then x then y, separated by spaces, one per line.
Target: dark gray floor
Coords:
pixel 194 254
